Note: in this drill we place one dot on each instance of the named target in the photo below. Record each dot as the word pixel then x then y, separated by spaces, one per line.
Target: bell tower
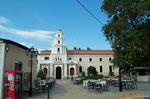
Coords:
pixel 58 46
pixel 58 56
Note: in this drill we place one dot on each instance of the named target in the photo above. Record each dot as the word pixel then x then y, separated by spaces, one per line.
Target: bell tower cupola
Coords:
pixel 58 46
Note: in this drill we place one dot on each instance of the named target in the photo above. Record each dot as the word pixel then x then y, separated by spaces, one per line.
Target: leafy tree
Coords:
pixel 41 75
pixel 91 71
pixel 79 48
pixel 128 26
pixel 88 48
pixel 75 48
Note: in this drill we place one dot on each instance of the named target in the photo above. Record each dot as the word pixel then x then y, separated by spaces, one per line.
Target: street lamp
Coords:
pixel 118 48
pixel 31 53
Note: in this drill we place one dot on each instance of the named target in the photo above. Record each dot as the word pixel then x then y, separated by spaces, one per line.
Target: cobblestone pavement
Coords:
pixel 64 89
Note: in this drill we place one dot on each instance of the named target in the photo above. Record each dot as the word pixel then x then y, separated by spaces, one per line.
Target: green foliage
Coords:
pixel 41 75
pixel 91 71
pixel 83 74
pixel 128 26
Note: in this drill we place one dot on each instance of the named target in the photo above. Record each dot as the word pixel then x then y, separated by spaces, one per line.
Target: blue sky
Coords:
pixel 33 22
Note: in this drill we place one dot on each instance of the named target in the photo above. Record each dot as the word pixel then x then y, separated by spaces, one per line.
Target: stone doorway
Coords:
pixel 58 73
pixel 71 71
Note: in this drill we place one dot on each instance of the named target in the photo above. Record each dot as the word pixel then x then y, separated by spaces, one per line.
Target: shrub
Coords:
pixel 83 74
pixel 92 71
pixel 41 75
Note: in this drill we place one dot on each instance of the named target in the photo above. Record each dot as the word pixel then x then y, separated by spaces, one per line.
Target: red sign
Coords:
pixel 9 91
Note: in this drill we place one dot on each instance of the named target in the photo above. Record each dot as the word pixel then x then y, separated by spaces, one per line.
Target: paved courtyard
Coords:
pixel 64 89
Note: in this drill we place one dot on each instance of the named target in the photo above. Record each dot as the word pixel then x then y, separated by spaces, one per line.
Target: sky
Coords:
pixel 34 23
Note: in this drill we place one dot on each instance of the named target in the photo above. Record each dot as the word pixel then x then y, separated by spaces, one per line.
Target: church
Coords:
pixel 61 63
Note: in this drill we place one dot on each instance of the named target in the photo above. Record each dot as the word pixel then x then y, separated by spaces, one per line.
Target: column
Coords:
pixel 51 70
pixel 76 70
pixel 65 70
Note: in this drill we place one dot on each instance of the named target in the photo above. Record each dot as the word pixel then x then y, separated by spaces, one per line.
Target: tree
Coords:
pixel 128 25
pixel 41 74
pixel 88 48
pixel 79 48
pixel 92 71
pixel 75 48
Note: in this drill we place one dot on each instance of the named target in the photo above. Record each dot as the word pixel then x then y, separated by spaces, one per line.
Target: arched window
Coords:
pixel 45 71
pixel 90 59
pixel 80 59
pixel 100 59
pixel 58 59
pixel 110 69
pixel 58 50
pixel 80 69
pixel 101 69
pixel 110 59
pixel 58 41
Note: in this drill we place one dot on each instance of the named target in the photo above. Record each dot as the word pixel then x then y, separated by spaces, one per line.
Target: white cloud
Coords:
pixel 36 34
pixel 3 19
pixel 39 49
pixel 30 45
pixel 25 44
pixel 2 35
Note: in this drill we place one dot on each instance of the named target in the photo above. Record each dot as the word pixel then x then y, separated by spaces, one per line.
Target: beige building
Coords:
pixel 60 63
pixel 13 58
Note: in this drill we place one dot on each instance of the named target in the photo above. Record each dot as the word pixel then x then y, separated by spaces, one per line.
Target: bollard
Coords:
pixel 47 85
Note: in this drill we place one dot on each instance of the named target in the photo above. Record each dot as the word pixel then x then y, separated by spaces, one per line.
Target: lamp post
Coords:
pixel 118 48
pixel 31 53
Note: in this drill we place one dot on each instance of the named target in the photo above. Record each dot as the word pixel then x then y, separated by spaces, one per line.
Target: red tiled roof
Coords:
pixel 45 52
pixel 90 52
pixel 82 52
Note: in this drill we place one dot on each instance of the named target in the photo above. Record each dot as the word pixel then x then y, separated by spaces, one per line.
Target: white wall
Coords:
pixel 2 61
pixel 105 63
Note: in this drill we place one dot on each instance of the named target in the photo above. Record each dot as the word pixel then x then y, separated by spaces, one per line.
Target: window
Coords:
pixel 58 50
pixel 45 71
pixel 101 69
pixel 46 58
pixel 90 59
pixel 58 41
pixel 80 59
pixel 58 35
pixel 80 69
pixel 110 59
pixel 58 59
pixel 100 59
pixel 70 58
pixel 110 69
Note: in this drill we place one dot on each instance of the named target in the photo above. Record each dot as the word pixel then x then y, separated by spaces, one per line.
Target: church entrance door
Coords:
pixel 58 73
pixel 71 71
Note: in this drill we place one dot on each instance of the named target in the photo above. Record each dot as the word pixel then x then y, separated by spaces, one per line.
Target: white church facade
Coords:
pixel 61 63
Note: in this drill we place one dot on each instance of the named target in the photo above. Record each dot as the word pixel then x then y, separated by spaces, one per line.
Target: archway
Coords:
pixel 71 71
pixel 58 73
pixel 45 71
